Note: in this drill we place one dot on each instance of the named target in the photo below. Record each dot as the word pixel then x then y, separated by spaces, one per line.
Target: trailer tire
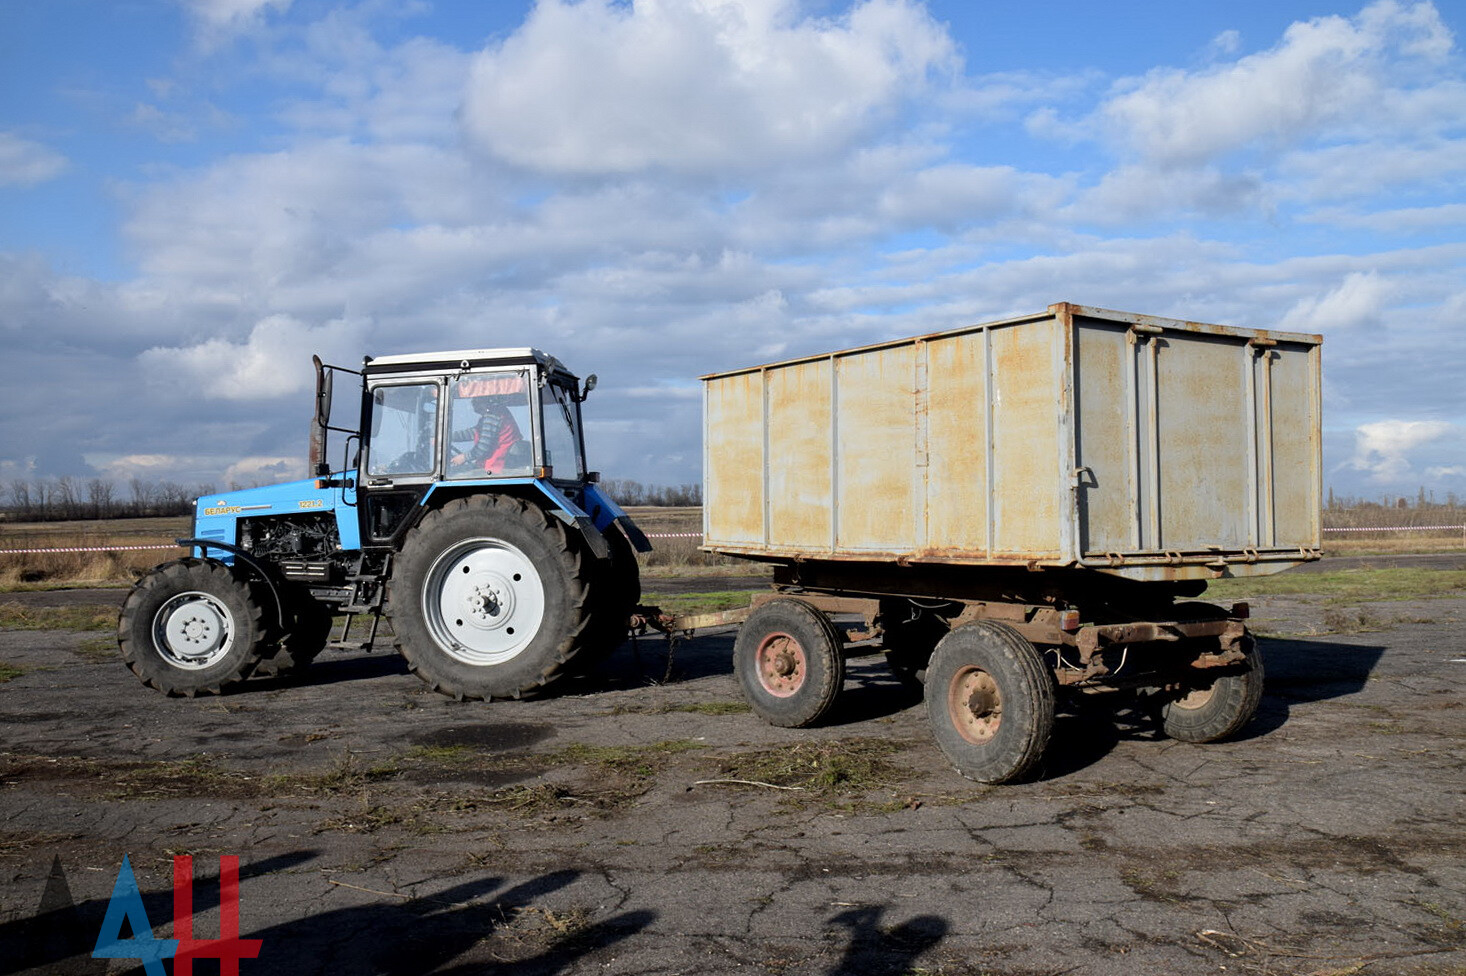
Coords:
pixel 311 622
pixel 190 626
pixel 990 699
pixel 1221 709
pixel 789 660
pixel 489 598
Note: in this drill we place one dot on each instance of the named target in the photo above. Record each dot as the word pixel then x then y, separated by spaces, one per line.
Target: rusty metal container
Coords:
pixel 1143 447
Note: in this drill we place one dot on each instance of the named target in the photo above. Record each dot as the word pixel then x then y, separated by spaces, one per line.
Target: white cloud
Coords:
pixel 698 86
pixel 1327 74
pixel 1357 303
pixel 1382 449
pixel 217 20
pixel 251 471
pixel 27 163
pixel 1403 220
pixel 273 362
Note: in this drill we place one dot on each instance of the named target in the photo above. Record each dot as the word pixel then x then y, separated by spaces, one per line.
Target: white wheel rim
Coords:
pixel 483 601
pixel 193 630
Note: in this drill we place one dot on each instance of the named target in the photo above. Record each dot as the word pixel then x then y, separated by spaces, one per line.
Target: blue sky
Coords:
pixel 195 195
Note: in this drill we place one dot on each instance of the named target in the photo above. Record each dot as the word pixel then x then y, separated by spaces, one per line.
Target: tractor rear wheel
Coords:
pixel 191 625
pixel 489 598
pixel 615 592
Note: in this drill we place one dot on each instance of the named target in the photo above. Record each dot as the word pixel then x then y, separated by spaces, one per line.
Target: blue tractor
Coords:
pixel 462 510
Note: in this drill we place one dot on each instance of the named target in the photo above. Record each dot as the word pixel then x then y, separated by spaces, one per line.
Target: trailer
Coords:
pixel 1014 510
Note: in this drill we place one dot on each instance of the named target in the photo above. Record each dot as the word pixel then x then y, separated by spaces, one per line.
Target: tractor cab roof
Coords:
pixel 462 359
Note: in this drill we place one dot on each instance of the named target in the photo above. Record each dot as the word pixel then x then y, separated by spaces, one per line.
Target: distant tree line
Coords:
pixel 624 491
pixel 67 498
pixel 1424 501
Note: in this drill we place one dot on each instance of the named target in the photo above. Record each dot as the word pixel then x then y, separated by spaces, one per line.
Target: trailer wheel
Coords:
pixel 191 625
pixel 488 598
pixel 990 700
pixel 1220 709
pixel 789 661
pixel 310 629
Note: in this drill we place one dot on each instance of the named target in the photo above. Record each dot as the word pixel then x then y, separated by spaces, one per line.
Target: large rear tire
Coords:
pixel 789 660
pixel 990 698
pixel 191 625
pixel 489 598
pixel 615 592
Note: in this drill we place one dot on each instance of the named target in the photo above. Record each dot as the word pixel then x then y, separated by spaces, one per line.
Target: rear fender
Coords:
pixel 559 505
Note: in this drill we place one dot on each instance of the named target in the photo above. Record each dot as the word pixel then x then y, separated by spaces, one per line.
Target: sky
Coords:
pixel 196 195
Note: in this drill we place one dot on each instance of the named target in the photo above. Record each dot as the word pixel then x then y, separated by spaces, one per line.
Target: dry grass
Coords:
pixel 20 571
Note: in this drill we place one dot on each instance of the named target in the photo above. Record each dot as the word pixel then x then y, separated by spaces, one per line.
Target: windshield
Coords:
pixel 562 432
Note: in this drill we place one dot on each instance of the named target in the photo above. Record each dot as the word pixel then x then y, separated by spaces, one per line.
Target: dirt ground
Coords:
pixel 382 829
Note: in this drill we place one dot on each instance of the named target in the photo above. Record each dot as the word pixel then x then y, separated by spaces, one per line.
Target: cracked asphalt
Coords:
pixel 631 824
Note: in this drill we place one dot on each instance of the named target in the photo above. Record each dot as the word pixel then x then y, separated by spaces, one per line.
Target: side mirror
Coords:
pixel 323 392
pixel 590 384
pixel 319 466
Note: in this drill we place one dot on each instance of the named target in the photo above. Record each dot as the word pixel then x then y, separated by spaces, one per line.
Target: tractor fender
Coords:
pixel 559 505
pixel 244 556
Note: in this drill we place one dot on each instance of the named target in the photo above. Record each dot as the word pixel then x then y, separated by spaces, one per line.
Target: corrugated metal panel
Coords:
pixel 801 419
pixel 733 449
pixel 1028 489
pixel 1105 438
pixel 957 439
pixel 876 450
pixel 1201 429
pixel 1295 449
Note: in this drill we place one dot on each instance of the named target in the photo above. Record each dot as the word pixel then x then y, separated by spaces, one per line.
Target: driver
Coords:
pixel 493 435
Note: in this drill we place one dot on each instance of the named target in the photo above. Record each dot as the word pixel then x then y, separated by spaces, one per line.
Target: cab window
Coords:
pixel 404 433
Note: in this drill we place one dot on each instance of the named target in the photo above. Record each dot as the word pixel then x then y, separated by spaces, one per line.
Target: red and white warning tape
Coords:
pixel 1401 528
pixel 6 552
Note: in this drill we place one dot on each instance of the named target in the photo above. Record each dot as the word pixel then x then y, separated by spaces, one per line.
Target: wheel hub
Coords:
pixel 193 630
pixel 781 665
pixel 975 704
pixel 483 601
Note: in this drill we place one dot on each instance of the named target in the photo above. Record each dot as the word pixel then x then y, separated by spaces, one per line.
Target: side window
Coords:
pixel 562 434
pixel 489 426
pixel 404 435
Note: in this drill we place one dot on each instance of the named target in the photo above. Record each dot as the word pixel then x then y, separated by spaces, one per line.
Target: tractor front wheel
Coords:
pixel 488 598
pixel 191 625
